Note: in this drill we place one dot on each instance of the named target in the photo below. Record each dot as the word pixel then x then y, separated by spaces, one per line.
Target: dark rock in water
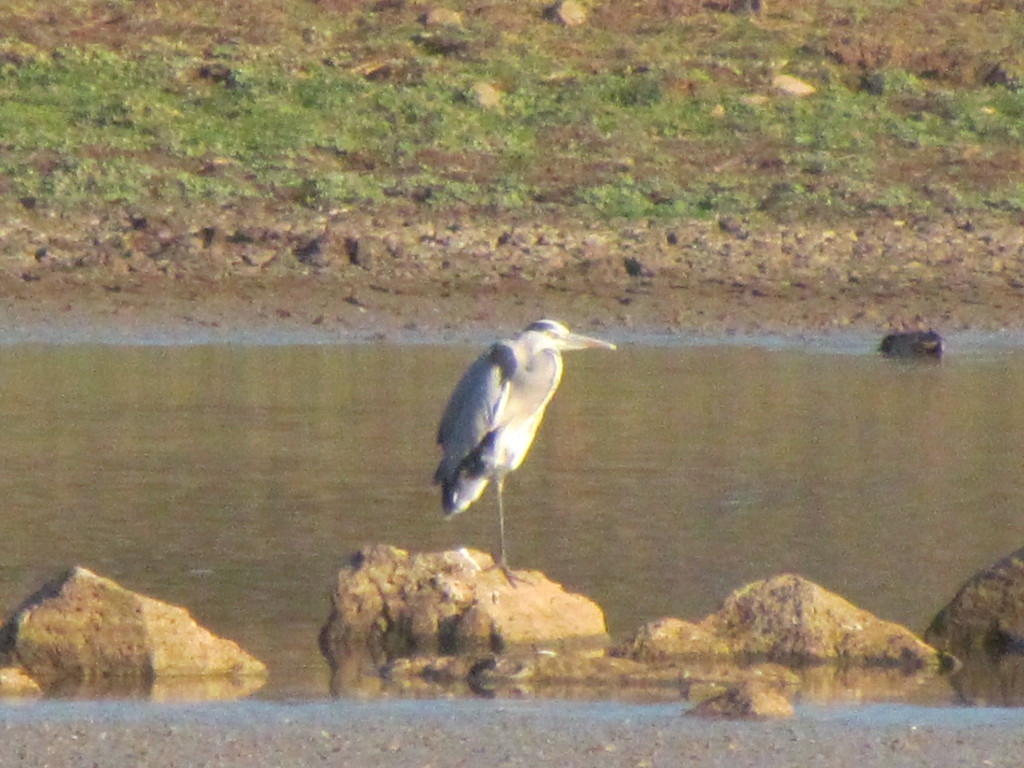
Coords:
pixel 925 344
pixel 986 616
pixel 983 627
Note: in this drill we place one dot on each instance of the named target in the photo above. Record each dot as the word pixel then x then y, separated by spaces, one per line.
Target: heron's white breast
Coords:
pixel 514 443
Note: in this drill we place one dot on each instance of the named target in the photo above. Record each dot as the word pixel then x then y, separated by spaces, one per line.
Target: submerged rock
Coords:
pixel 789 620
pixel 747 700
pixel 669 638
pixel 84 631
pixel 577 674
pixel 388 604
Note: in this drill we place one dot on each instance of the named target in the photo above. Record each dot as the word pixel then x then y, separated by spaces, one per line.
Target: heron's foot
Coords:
pixel 511 578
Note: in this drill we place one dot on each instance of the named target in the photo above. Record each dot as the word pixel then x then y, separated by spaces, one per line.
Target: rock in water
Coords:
pixel 986 616
pixel 388 603
pixel 789 620
pixel 923 344
pixel 747 701
pixel 82 629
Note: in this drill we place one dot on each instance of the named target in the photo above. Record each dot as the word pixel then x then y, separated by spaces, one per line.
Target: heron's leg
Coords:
pixel 499 487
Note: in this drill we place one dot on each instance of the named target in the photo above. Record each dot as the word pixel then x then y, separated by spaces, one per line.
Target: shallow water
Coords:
pixel 235 479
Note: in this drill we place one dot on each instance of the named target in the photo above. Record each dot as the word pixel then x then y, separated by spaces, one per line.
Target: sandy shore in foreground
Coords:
pixel 480 733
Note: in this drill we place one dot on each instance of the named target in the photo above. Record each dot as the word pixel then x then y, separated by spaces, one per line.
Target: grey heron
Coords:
pixel 495 410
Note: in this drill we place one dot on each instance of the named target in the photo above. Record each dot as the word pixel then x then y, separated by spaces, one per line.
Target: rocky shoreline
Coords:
pixel 397 734
pixel 763 714
pixel 357 273
pixel 451 623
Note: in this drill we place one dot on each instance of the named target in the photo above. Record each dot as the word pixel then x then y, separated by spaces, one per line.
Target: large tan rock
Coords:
pixel 786 619
pixel 986 616
pixel 389 603
pixel 82 628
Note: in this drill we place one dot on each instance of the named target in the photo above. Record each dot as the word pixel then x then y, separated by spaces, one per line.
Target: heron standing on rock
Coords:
pixel 495 410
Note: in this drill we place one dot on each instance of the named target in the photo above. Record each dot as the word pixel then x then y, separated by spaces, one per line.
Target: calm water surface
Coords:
pixel 236 479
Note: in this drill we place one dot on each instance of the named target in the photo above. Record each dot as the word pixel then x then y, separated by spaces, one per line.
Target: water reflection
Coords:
pixel 234 480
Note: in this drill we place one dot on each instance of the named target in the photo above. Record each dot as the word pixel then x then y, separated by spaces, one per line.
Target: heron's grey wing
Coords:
pixel 474 407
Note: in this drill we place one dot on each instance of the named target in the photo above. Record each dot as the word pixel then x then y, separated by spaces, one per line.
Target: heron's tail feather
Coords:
pixel 464 482
pixel 459 492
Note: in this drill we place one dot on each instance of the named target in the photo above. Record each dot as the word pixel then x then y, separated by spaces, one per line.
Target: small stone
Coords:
pixel 568 13
pixel 486 95
pixel 316 251
pixel 364 251
pixel 442 17
pixel 636 268
pixel 747 6
pixel 792 86
pixel 15 682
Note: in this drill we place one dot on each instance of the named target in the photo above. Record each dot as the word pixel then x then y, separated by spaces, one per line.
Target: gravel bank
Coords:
pixel 528 733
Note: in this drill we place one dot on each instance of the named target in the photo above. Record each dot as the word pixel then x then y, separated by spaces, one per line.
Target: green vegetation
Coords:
pixel 658 109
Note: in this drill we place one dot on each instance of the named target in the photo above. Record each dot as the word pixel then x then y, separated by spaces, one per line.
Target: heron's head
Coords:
pixel 557 336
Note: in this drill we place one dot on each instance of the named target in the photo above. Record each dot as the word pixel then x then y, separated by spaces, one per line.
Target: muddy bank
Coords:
pixel 397 734
pixel 359 274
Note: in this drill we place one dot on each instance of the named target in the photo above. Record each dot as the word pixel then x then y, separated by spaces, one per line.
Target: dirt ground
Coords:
pixel 418 734
pixel 348 274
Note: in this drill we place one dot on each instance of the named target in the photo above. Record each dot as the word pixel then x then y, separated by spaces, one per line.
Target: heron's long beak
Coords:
pixel 578 341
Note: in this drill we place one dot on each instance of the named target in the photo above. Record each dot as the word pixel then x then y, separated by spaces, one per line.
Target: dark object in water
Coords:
pixel 912 344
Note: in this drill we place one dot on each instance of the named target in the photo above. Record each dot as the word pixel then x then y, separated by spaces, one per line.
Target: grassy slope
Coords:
pixel 655 108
